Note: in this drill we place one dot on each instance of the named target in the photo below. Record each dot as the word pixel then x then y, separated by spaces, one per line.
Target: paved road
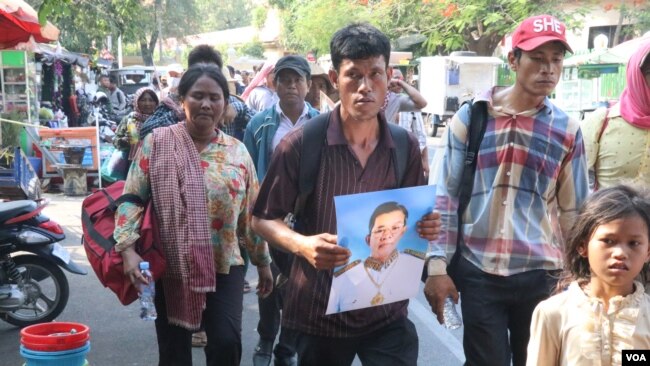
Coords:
pixel 119 337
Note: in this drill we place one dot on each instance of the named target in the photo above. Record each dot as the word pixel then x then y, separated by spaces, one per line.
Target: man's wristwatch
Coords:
pixel 437 266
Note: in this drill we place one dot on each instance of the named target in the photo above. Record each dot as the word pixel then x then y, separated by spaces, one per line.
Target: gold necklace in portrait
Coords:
pixel 378 299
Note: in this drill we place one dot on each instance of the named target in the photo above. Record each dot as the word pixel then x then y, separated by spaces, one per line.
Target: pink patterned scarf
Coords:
pixel 259 79
pixel 635 99
pixel 180 200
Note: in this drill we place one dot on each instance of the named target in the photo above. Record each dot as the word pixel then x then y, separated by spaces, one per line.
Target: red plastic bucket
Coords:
pixel 53 347
pixel 55 336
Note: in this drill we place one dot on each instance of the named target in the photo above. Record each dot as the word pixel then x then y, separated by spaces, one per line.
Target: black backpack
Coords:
pixel 476 130
pixel 314 137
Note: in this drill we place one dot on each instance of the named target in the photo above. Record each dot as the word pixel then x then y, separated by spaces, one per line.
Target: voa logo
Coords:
pixel 636 357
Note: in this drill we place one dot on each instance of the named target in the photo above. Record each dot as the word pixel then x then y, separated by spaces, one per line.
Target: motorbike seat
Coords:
pixel 12 209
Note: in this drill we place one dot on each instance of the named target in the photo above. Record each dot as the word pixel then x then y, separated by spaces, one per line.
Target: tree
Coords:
pixel 260 14
pixel 635 13
pixel 82 22
pixel 309 24
pixel 254 48
pixel 476 25
pixel 139 21
pixel 226 15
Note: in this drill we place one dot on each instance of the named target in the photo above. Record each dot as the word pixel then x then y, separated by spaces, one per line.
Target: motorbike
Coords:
pixel 33 288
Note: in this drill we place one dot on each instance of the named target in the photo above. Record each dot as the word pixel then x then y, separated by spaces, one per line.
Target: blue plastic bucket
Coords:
pixel 73 357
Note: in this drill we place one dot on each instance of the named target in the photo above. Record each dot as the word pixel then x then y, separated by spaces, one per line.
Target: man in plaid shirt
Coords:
pixel 235 120
pixel 530 180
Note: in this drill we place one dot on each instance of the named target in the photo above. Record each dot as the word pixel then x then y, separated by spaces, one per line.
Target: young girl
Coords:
pixel 604 310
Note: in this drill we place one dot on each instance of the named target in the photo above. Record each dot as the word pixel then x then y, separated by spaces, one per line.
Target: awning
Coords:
pixel 48 54
pixel 595 70
pixel 604 56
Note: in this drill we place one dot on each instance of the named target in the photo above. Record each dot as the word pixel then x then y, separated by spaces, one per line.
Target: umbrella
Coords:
pixel 19 22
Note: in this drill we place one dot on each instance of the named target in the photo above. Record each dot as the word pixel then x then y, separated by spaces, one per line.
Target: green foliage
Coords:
pixel 637 15
pixel 45 114
pixel 220 15
pixel 477 25
pixel 259 16
pixel 83 21
pixel 253 49
pixel 448 25
pixel 11 131
pixel 310 24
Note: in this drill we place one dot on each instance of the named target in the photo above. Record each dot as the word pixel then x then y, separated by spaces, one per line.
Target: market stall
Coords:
pixel 18 96
pixel 594 79
pixel 57 78
pixel 18 86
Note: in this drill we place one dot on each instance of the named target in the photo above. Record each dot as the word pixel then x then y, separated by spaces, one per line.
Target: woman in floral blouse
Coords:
pixel 203 185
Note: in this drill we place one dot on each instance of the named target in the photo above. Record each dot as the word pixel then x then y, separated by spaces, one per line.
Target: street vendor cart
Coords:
pixel 448 81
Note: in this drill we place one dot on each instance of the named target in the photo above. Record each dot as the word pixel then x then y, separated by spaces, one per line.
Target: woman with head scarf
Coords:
pixel 127 135
pixel 260 93
pixel 617 140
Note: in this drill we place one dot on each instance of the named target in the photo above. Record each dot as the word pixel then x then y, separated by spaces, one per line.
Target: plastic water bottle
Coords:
pixel 147 294
pixel 452 319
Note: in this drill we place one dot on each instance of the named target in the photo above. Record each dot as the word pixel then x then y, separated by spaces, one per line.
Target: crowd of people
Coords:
pixel 546 269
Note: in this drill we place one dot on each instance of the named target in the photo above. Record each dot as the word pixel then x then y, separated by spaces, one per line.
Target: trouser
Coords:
pixel 494 307
pixel 395 344
pixel 270 320
pixel 222 322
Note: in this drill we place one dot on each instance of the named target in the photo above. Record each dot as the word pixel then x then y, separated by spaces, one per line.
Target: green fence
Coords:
pixel 612 85
pixel 505 77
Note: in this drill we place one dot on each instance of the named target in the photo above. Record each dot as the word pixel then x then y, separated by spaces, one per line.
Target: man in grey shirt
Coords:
pixel 401 97
pixel 116 96
pixel 402 107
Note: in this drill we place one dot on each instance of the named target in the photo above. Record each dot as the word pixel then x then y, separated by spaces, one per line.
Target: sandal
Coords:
pixel 199 339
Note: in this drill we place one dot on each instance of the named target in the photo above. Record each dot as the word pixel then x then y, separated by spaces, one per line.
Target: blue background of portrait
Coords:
pixel 353 216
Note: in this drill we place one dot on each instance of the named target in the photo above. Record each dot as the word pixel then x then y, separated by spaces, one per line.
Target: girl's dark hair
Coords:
pixel 195 72
pixel 601 207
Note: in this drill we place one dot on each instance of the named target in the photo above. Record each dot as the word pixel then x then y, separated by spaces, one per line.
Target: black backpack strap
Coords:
pixel 129 197
pixel 401 151
pixel 313 140
pixel 478 116
pixel 476 131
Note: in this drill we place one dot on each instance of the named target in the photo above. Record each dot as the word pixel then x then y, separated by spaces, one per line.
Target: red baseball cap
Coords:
pixel 535 31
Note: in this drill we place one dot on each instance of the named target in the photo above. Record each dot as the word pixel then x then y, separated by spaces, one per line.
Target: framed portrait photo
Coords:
pixel 388 256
